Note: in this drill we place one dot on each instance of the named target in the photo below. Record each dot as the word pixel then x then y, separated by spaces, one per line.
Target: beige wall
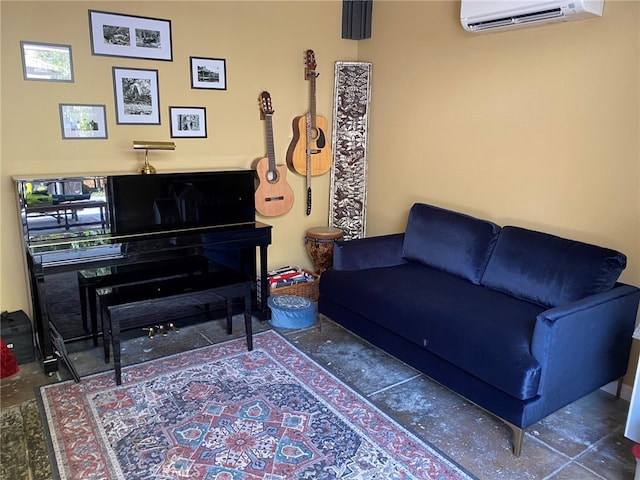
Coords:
pixel 263 44
pixel 536 127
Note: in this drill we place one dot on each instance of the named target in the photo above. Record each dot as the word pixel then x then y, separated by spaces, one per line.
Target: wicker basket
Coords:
pixel 308 290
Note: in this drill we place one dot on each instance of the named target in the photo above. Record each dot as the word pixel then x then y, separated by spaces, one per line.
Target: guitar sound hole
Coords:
pixel 272 176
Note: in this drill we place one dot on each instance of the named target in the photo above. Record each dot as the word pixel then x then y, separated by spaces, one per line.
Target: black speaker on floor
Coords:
pixel 17 333
pixel 356 19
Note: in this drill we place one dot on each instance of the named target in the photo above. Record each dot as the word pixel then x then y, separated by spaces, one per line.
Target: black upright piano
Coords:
pixel 128 221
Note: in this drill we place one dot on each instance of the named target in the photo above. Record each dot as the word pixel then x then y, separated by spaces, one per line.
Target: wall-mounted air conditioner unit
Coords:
pixel 488 15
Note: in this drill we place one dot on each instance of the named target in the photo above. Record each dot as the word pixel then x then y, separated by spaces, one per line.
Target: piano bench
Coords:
pixel 89 280
pixel 131 306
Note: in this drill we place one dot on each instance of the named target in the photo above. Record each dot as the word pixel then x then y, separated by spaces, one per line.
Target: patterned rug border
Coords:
pixel 48 438
pixel 280 349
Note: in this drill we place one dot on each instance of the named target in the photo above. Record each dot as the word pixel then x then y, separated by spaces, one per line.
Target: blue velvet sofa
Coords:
pixel 517 321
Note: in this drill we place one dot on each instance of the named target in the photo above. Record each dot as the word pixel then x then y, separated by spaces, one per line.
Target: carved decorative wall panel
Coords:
pixel 348 196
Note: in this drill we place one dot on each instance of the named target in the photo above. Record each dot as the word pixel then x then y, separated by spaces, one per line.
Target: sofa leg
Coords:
pixel 619 389
pixel 518 437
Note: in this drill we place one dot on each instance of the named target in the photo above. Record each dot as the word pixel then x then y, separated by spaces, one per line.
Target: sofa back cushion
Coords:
pixel 550 270
pixel 449 241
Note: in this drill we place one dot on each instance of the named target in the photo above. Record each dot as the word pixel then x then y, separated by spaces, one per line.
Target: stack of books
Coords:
pixel 285 276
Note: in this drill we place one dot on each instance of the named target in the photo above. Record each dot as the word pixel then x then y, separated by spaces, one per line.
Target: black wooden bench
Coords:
pixel 134 306
pixel 89 280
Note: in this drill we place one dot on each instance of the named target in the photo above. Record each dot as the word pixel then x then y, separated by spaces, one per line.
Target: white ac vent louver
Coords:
pixel 486 15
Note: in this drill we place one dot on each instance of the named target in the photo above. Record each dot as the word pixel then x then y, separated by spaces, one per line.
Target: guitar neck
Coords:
pixel 312 98
pixel 308 172
pixel 270 148
pixel 308 146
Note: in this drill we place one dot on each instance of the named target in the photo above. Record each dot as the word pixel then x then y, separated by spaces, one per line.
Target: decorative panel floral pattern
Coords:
pixel 348 196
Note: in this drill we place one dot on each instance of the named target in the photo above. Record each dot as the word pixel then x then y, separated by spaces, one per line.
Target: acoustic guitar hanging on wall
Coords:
pixel 273 195
pixel 315 144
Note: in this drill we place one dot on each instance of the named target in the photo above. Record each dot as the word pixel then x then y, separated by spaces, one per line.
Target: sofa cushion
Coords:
pixel 449 241
pixel 484 332
pixel 368 252
pixel 550 270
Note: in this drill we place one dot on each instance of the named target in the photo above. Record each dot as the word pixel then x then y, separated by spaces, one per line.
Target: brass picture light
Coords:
pixel 146 146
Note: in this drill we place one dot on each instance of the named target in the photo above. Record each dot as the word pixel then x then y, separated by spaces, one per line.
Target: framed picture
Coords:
pixel 117 35
pixel 80 121
pixel 188 122
pixel 46 61
pixel 136 94
pixel 208 73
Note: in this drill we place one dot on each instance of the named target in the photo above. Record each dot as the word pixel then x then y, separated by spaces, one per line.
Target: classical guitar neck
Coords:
pixel 271 151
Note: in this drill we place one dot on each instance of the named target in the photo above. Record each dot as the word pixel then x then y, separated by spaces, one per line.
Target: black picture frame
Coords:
pixel 208 73
pixel 119 35
pixel 137 97
pixel 188 122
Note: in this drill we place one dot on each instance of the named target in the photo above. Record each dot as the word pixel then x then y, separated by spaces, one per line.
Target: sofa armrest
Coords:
pixel 369 252
pixel 584 345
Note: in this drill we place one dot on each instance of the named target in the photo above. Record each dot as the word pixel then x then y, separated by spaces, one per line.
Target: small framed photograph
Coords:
pixel 188 122
pixel 208 73
pixel 117 35
pixel 46 62
pixel 136 94
pixel 80 121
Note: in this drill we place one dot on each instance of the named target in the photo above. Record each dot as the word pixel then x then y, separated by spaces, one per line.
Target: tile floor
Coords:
pixel 583 441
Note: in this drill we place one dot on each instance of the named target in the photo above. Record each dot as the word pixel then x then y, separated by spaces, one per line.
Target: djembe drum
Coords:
pixel 319 243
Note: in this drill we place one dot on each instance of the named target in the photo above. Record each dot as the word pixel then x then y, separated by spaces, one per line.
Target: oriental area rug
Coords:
pixel 223 413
